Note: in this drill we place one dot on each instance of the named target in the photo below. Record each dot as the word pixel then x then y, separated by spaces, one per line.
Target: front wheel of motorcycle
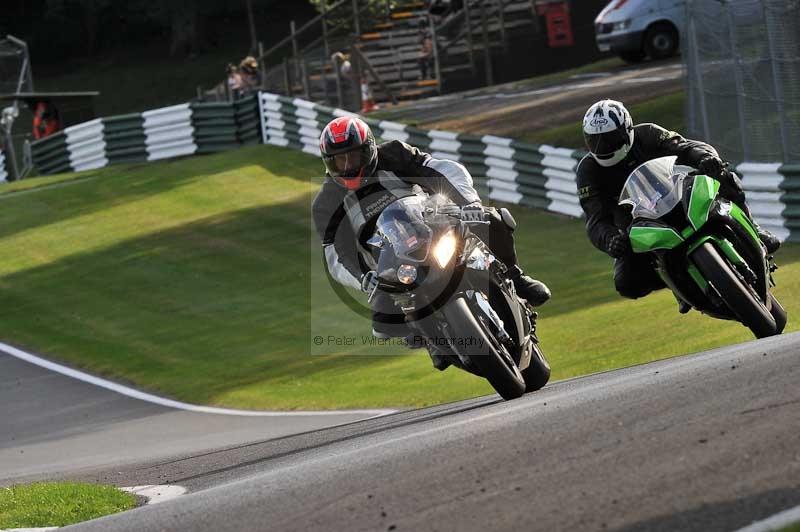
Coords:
pixel 742 302
pixel 479 345
pixel 537 373
pixel 779 313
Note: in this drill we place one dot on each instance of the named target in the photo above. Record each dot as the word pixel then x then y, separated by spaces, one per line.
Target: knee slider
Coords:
pixel 508 219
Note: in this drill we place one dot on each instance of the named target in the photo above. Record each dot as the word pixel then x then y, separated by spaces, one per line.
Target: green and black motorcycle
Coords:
pixel 703 246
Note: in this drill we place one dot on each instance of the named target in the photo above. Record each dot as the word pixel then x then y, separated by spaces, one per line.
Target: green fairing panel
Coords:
pixel 703 193
pixel 644 239
pixel 739 215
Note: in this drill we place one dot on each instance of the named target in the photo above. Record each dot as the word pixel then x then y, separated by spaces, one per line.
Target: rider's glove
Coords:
pixel 369 281
pixel 619 245
pixel 472 213
pixel 711 166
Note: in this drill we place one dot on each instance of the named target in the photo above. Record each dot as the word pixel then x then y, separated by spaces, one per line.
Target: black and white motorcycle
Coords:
pixel 456 294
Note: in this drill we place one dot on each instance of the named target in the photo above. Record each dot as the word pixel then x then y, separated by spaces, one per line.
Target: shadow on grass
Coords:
pixel 210 306
pixel 97 190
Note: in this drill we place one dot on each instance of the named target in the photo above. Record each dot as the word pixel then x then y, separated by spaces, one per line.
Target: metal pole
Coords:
pixel 295 51
pixel 698 76
pixel 262 66
pixel 436 66
pixel 286 81
pixel 487 53
pixel 501 8
pixel 356 25
pixel 306 83
pixel 339 96
pixel 470 45
pixel 325 44
pixel 776 83
pixel 355 70
pixel 252 23
pixel 737 75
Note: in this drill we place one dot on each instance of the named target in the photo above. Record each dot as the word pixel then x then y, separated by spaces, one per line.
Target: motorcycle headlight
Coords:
pixel 406 273
pixel 444 249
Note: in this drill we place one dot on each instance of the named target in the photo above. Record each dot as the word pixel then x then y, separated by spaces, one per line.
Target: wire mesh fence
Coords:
pixel 743 77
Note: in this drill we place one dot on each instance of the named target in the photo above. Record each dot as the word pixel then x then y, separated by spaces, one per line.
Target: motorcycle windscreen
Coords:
pixel 654 188
pixel 401 224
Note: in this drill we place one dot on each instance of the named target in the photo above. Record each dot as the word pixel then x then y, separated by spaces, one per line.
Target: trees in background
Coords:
pixel 60 29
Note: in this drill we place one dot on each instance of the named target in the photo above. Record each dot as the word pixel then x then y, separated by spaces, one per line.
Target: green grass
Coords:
pixel 192 278
pixel 666 111
pixel 791 528
pixel 45 504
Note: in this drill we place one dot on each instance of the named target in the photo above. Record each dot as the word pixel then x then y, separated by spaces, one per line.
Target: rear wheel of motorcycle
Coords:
pixel 779 314
pixel 742 302
pixel 505 378
pixel 537 373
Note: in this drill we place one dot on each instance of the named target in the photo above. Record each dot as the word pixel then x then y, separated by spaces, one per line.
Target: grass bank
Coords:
pixel 666 111
pixel 46 504
pixel 193 278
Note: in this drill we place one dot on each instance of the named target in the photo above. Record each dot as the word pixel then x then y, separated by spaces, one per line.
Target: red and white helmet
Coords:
pixel 349 151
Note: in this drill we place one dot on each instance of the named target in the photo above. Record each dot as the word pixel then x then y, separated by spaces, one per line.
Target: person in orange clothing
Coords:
pixel 46 120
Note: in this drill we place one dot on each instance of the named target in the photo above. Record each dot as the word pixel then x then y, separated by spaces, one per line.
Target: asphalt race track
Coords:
pixel 703 442
pixel 52 424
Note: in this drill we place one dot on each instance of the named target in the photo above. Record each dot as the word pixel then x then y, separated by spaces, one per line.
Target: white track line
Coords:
pixel 150 398
pixel 157 493
pixel 776 522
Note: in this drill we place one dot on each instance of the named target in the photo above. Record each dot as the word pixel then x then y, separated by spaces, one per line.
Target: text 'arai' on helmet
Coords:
pixel 349 151
pixel 608 132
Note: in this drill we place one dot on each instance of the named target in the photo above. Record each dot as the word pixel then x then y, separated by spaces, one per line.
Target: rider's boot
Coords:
pixel 534 292
pixel 416 341
pixel 769 240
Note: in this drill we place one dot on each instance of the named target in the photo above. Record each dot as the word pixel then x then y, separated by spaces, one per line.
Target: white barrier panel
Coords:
pixel 169 132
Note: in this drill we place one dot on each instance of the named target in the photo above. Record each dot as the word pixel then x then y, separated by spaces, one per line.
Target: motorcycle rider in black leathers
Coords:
pixel 616 147
pixel 362 178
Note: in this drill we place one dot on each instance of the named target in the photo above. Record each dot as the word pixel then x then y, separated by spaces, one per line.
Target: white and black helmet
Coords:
pixel 608 132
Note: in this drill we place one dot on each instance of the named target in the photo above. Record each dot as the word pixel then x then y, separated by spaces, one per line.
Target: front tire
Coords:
pixel 779 313
pixel 537 373
pixel 741 301
pixel 661 41
pixel 482 350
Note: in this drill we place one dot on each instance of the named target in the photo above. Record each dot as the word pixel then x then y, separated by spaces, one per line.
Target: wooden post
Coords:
pixel 487 52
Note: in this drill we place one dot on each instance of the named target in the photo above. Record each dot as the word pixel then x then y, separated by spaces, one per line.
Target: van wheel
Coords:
pixel 633 57
pixel 661 41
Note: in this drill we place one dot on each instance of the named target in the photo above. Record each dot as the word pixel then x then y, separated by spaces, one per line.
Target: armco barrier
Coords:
pixel 503 169
pixel 173 131
pixel 791 199
pixel 3 173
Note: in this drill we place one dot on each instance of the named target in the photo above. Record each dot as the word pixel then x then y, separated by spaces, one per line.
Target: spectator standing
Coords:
pixel 425 53
pixel 234 81
pixel 251 77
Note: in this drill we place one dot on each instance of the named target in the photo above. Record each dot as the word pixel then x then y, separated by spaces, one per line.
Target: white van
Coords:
pixel 635 29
